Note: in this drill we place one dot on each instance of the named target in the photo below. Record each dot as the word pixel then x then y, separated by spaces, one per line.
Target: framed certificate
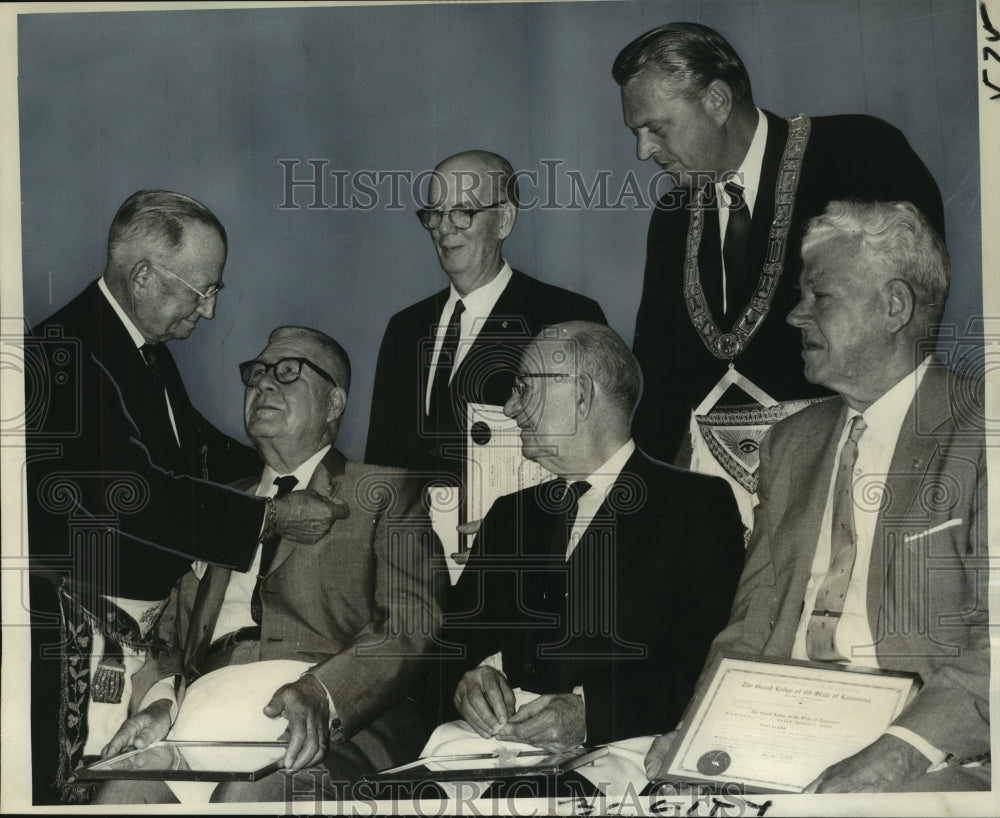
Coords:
pixel 775 725
pixel 192 761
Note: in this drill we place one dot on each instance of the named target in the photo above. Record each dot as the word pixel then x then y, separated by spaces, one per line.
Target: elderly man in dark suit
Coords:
pixel 722 258
pixel 126 479
pixel 602 590
pixel 356 609
pixel 870 542
pixel 461 344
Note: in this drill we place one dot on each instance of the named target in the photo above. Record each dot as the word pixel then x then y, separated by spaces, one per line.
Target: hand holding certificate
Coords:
pixel 774 726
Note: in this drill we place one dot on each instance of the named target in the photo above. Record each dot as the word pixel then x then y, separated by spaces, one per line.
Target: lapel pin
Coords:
pixel 504 325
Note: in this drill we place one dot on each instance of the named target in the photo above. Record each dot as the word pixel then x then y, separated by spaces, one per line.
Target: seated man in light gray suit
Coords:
pixel 886 564
pixel 357 608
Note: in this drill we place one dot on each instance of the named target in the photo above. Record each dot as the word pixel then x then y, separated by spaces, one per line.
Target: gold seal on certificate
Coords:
pixel 773 725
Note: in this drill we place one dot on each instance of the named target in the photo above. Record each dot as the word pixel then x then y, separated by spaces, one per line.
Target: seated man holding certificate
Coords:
pixel 564 593
pixel 869 546
pixel 323 639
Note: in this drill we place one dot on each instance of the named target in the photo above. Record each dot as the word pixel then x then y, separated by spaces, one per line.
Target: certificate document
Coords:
pixel 774 725
pixel 494 464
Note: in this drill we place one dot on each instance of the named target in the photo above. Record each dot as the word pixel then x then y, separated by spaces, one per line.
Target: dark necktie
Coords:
pixel 734 249
pixel 440 402
pixel 567 497
pixel 269 547
pixel 822 627
pixel 158 366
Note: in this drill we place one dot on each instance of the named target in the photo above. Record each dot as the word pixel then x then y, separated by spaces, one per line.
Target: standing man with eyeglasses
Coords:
pixel 125 478
pixel 461 344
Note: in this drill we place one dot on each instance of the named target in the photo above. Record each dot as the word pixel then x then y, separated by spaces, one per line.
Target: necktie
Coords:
pixel 269 547
pixel 734 247
pixel 446 361
pixel 567 497
pixel 164 441
pixel 820 642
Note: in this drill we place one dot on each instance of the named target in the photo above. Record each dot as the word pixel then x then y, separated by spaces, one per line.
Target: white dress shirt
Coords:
pixel 853 637
pixel 478 306
pixel 235 611
pixel 600 484
pixel 748 177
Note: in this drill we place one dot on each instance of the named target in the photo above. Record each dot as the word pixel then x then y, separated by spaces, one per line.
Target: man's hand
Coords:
pixel 140 730
pixel 552 722
pixel 485 700
pixel 656 757
pixel 305 516
pixel 304 704
pixel 881 767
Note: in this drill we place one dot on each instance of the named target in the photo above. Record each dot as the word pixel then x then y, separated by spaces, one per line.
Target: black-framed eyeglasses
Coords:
pixel 286 370
pixel 461 217
pixel 211 292
pixel 521 380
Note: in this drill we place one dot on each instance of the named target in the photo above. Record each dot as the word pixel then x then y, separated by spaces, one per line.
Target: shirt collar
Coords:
pixel 750 168
pixel 885 416
pixel 133 330
pixel 603 477
pixel 303 473
pixel 479 303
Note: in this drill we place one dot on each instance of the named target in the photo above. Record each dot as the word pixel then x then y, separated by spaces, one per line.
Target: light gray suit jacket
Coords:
pixel 927 582
pixel 360 603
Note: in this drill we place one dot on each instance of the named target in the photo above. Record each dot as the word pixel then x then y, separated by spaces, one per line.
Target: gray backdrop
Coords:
pixel 208 102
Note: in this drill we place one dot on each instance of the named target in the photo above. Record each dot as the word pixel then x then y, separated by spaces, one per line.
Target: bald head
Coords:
pixel 471 209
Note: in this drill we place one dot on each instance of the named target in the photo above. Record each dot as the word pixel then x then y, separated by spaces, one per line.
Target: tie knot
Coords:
pixel 858 426
pixel 285 485
pixel 149 354
pixel 459 309
pixel 735 193
pixel 568 494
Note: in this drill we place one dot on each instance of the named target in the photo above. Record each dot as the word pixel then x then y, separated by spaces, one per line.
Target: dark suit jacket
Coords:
pixel 848 156
pixel 927 592
pixel 100 446
pixel 359 603
pixel 629 616
pixel 400 433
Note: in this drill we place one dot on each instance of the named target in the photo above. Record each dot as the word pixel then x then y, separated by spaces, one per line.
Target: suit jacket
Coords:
pixel 400 433
pixel 927 583
pixel 360 603
pixel 101 452
pixel 629 616
pixel 847 157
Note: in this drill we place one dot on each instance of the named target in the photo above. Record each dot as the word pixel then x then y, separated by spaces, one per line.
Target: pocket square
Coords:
pixel 920 535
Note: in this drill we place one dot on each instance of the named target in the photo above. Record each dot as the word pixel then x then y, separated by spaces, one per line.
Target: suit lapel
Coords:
pixel 916 447
pixel 794 547
pixel 326 481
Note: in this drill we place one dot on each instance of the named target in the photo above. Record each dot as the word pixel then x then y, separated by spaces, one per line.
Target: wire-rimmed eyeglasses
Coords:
pixel 461 217
pixel 211 292
pixel 286 370
pixel 520 385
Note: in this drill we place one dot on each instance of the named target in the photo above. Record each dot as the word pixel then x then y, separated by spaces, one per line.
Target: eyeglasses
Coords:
pixel 286 370
pixel 521 380
pixel 211 292
pixel 461 217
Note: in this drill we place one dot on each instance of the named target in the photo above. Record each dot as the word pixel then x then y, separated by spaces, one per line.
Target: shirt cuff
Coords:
pixel 494 661
pixel 334 718
pixel 578 691
pixel 934 755
pixel 163 689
